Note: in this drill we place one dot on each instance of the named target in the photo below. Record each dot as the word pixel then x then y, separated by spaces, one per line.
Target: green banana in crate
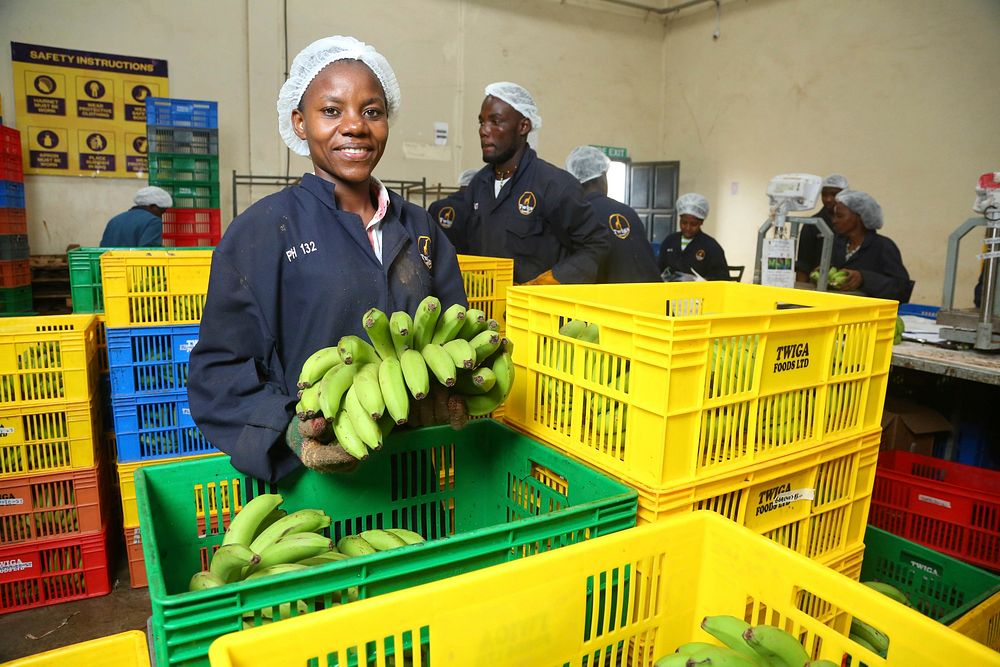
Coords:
pixel 449 324
pixel 897 336
pixel 376 324
pixel 382 540
pixel 281 568
pixel 333 386
pixel 331 556
pixel 425 321
pixel 393 386
pixel 861 641
pixel 415 373
pixel 871 635
pixel 474 322
pixel 204 580
pixel 364 425
pixel 461 352
pixel 440 363
pixel 245 525
pixel 573 328
pixel 691 648
pixel 366 388
pixel 401 331
pixel 889 591
pixel 776 646
pixel 355 350
pixel 317 364
pixel 592 334
pixel 408 536
pixel 822 663
pixel 354 546
pixel 723 656
pixel 229 561
pixel 729 630
pixel 347 436
pixel 672 660
pixel 269 519
pixel 484 345
pixel 294 548
pixel 302 521
pixel 474 382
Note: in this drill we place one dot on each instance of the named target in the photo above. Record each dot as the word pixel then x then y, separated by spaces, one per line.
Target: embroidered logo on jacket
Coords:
pixel 526 203
pixel 700 255
pixel 446 217
pixel 619 225
pixel 424 246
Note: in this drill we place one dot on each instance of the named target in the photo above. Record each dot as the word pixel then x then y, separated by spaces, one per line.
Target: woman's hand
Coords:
pixel 543 279
pixel 313 442
pixel 853 281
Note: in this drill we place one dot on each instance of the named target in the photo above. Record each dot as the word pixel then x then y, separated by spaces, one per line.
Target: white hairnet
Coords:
pixel 693 204
pixel 466 177
pixel 587 163
pixel 311 61
pixel 519 98
pixel 835 181
pixel 864 205
pixel 153 196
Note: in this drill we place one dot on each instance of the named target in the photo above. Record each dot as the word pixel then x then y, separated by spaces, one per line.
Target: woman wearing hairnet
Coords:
pixel 872 261
pixel 297 270
pixel 691 250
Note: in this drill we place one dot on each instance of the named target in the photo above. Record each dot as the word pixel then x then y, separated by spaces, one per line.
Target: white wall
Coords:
pixel 901 96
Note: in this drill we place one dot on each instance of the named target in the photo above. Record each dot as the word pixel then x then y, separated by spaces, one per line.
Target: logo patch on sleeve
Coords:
pixel 446 217
pixel 526 203
pixel 700 255
pixel 424 247
pixel 619 226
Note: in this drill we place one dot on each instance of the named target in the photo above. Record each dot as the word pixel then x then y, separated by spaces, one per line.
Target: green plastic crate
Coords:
pixel 15 300
pixel 938 586
pixel 482 496
pixel 170 169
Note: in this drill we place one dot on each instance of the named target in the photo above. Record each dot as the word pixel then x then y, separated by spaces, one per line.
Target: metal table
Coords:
pixel 982 367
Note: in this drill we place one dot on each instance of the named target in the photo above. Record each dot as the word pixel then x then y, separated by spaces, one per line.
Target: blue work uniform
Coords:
pixel 452 215
pixel 293 274
pixel 540 220
pixel 880 263
pixel 630 258
pixel 135 228
pixel 703 254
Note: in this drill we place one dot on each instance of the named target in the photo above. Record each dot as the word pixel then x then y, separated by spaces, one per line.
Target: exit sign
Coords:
pixel 613 152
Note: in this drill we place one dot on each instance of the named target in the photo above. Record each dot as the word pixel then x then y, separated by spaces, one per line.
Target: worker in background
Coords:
pixel 871 261
pixel 452 213
pixel 691 251
pixel 631 258
pixel 525 208
pixel 142 225
pixel 297 270
pixel 810 240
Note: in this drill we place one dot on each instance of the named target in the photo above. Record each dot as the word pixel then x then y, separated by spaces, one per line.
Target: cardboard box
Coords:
pixel 911 427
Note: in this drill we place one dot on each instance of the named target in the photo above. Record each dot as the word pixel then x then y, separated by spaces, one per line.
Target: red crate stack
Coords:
pixel 15 272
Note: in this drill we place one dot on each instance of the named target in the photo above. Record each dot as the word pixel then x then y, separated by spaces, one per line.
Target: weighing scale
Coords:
pixel 976 326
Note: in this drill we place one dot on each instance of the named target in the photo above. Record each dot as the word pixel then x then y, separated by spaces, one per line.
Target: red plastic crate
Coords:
pixel 13 221
pixel 10 141
pixel 191 227
pixel 949 507
pixel 43 573
pixel 10 168
pixel 15 273
pixel 136 561
pixel 43 507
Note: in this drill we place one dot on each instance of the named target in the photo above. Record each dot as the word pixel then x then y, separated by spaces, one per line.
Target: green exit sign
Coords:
pixel 613 152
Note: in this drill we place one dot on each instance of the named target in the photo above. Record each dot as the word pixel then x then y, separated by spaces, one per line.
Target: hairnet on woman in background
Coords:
pixel 864 205
pixel 694 204
pixel 297 271
pixel 587 163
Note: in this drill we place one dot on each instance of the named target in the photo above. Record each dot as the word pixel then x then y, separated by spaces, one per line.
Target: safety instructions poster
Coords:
pixel 83 112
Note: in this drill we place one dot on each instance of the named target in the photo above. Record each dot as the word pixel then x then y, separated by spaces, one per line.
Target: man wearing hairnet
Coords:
pixel 691 251
pixel 298 270
pixel 630 258
pixel 872 262
pixel 525 208
pixel 142 225
pixel 810 240
pixel 452 213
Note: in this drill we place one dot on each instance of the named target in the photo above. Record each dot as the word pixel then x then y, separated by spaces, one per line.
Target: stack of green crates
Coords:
pixel 183 139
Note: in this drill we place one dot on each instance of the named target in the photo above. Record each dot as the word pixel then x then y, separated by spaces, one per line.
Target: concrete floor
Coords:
pixel 123 609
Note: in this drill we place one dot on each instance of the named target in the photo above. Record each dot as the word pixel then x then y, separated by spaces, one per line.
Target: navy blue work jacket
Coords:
pixel 293 274
pixel 703 254
pixel 540 220
pixel 452 215
pixel 880 263
pixel 630 258
pixel 135 228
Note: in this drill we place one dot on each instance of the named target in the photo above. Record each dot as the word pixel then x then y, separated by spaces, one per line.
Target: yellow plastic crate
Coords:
pixel 154 287
pixel 815 503
pixel 694 380
pixel 982 624
pixel 102 343
pixel 47 360
pixel 49 438
pixel 626 598
pixel 126 482
pixel 486 280
pixel 126 649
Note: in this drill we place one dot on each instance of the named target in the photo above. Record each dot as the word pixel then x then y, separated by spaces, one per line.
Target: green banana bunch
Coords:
pixel 889 591
pixel 836 277
pixel 449 324
pixel 374 540
pixel 316 366
pixel 775 646
pixel 425 321
pixel 897 336
pixel 870 637
pixel 376 324
pixel 731 631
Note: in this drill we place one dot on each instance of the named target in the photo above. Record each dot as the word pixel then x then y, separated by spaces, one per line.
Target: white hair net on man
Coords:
pixel 311 61
pixel 153 196
pixel 693 204
pixel 835 181
pixel 587 163
pixel 864 205
pixel 519 98
pixel 466 177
